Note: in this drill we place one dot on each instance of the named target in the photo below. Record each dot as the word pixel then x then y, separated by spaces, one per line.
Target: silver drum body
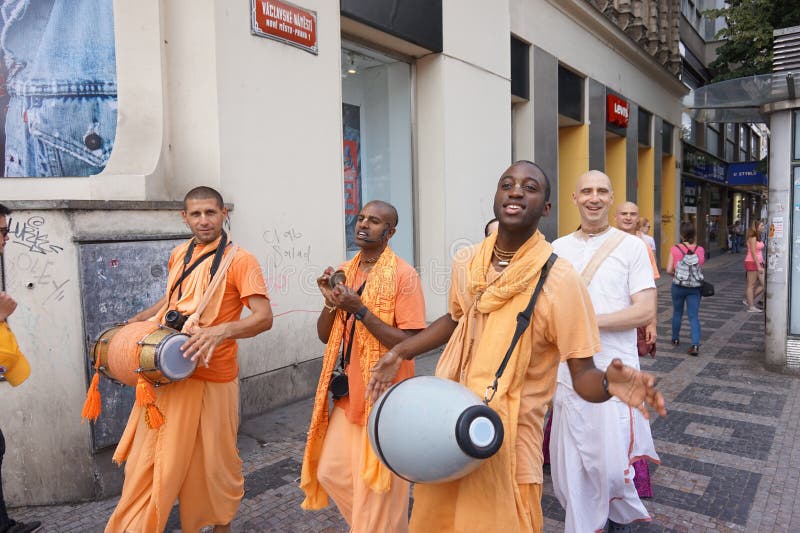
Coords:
pixel 431 430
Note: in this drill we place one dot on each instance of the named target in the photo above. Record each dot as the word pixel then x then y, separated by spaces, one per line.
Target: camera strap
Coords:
pixel 217 253
pixel 345 359
pixel 523 321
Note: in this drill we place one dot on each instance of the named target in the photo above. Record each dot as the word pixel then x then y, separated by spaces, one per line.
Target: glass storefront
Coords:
pixel 376 141
pixel 794 273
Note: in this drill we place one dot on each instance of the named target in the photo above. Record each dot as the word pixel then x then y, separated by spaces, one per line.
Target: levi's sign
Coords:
pixel 618 111
pixel 284 22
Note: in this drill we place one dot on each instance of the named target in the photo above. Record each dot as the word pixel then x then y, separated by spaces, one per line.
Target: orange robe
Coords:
pixel 339 460
pixel 192 457
pixel 504 493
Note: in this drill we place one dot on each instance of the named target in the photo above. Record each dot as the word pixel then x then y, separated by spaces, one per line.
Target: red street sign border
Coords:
pixel 255 30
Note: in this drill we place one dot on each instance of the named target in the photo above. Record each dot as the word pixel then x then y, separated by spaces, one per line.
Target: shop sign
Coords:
pixel 748 173
pixel 618 111
pixel 284 22
pixel 703 165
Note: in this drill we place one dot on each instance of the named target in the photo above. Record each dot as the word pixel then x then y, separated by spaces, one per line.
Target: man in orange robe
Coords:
pixel 487 292
pixel 338 459
pixel 192 456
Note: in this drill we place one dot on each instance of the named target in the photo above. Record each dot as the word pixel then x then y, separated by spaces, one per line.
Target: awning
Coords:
pixel 741 99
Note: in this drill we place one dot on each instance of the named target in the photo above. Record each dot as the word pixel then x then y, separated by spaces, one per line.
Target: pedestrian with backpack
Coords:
pixel 687 278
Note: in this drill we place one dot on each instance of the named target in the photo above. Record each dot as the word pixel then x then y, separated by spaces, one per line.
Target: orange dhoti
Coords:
pixel 340 475
pixel 192 458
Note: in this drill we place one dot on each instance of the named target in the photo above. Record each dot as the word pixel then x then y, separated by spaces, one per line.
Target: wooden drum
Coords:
pixel 145 348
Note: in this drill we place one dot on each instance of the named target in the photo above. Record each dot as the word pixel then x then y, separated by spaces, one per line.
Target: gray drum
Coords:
pixel 431 430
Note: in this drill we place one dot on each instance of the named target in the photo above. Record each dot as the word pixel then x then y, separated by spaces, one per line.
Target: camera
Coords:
pixel 175 320
pixel 339 386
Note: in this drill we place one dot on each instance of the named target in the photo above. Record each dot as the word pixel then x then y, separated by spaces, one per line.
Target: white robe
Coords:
pixel 593 446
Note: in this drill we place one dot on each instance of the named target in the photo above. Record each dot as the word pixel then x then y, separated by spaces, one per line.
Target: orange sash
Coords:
pixel 378 296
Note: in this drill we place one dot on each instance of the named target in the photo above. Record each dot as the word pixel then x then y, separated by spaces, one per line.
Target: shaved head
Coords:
pixel 204 193
pixel 627 206
pixel 593 196
pixel 594 176
pixel 627 217
pixel 391 212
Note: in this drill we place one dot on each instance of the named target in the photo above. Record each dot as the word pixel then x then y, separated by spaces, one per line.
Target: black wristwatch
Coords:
pixel 361 313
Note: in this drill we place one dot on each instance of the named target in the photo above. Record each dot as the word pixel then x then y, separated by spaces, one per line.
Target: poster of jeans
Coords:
pixel 351 119
pixel 59 87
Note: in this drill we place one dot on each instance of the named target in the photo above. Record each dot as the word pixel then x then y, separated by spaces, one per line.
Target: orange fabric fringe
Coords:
pixel 146 397
pixel 91 407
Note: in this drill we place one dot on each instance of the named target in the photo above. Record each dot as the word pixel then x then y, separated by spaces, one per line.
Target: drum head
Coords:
pixel 171 361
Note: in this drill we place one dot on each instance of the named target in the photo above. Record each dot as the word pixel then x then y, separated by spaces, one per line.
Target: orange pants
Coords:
pixel 192 458
pixel 435 510
pixel 339 474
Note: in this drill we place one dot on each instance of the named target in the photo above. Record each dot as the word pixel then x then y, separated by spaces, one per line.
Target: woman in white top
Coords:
pixel 643 230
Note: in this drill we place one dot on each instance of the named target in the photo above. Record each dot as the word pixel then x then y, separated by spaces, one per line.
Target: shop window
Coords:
pixel 755 142
pixel 796 135
pixel 687 129
pixel 730 150
pixel 730 132
pixel 794 299
pixel 570 96
pixel 666 138
pixel 712 139
pixel 645 118
pixel 520 68
pixel 376 117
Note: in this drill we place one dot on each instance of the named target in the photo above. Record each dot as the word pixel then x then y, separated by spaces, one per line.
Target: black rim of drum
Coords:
pixel 462 431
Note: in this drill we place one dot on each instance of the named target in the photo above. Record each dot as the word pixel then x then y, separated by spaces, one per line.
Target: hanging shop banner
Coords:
pixel 285 22
pixel 618 111
pixel 747 173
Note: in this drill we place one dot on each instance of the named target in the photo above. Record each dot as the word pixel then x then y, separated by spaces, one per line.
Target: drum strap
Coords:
pixel 217 253
pixel 523 321
pixel 345 360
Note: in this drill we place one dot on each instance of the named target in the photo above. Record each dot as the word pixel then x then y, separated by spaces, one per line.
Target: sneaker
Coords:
pixel 694 350
pixel 744 303
pixel 675 342
pixel 754 310
pixel 21 527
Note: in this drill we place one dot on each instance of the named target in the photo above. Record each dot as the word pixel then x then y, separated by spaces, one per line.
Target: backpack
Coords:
pixel 687 270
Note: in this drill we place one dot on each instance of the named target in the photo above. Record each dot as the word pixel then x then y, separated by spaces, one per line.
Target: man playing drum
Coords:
pixel 193 456
pixel 379 304
pixel 490 284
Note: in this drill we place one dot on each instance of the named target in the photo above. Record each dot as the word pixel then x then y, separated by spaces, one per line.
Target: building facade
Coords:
pixel 724 171
pixel 299 114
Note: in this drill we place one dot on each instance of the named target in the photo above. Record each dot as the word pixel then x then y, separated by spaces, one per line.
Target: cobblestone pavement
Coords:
pixel 730 446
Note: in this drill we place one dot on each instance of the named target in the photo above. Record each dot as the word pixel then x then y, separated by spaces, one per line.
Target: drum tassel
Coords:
pixel 146 397
pixel 91 407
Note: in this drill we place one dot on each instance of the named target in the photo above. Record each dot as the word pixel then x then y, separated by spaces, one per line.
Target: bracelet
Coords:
pixel 605 385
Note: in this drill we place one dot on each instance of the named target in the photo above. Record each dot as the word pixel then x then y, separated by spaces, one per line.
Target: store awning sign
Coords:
pixel 285 22
pixel 747 173
pixel 618 110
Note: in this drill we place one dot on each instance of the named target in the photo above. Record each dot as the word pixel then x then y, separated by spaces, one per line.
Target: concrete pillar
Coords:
pixel 778 248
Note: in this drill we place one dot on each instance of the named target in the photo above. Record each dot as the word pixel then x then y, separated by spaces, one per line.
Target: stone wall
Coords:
pixel 652 24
